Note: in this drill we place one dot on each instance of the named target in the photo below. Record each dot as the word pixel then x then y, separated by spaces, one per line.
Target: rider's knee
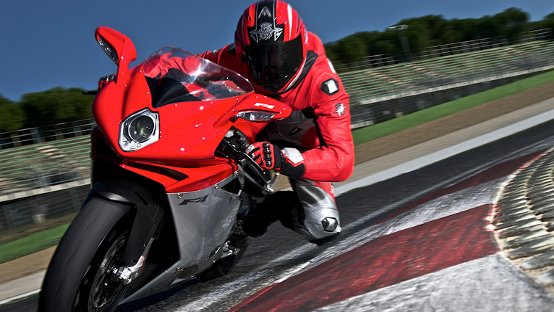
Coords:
pixel 321 223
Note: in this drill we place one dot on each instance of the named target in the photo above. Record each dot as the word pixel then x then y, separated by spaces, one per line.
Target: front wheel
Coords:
pixel 79 277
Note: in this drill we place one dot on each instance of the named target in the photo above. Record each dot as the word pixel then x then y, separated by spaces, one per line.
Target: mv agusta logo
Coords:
pixel 194 200
pixel 339 109
pixel 265 30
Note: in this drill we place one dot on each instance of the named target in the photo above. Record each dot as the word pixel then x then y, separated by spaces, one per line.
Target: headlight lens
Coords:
pixel 139 130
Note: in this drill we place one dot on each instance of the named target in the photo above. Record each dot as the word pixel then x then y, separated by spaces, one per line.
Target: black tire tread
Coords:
pixel 75 252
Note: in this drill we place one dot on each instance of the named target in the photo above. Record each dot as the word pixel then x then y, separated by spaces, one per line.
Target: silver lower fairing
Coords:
pixel 203 220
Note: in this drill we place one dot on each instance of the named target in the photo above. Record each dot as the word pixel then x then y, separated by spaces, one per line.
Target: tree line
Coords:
pixel 44 108
pixel 434 30
pixel 63 105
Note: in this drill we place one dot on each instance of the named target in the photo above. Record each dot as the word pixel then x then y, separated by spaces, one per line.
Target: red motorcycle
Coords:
pixel 170 180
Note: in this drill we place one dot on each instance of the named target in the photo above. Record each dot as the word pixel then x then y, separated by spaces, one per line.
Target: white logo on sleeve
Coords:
pixel 340 109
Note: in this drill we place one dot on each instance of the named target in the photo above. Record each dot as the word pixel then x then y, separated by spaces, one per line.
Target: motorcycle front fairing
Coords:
pixel 163 121
pixel 176 109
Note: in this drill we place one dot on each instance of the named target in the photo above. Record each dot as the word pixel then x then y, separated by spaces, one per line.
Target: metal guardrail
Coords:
pixel 44 172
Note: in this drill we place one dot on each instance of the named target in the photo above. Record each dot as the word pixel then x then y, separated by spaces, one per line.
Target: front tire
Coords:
pixel 79 276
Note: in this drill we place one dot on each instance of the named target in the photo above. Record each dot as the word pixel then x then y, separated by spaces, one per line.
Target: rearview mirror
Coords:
pixel 119 48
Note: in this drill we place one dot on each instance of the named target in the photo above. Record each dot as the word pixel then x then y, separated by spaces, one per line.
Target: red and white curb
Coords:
pixel 523 218
pixel 441 237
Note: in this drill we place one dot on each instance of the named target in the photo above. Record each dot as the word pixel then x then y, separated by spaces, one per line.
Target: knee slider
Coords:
pixel 330 224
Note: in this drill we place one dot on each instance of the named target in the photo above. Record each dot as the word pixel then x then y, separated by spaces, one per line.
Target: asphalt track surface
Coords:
pixel 416 242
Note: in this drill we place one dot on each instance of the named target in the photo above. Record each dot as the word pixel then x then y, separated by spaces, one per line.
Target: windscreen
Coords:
pixel 175 75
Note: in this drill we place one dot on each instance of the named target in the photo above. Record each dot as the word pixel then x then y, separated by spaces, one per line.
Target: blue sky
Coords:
pixel 50 43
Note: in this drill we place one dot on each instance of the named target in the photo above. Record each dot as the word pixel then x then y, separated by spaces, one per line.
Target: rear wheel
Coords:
pixel 80 275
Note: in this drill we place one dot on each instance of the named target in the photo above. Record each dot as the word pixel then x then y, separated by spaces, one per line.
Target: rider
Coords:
pixel 314 146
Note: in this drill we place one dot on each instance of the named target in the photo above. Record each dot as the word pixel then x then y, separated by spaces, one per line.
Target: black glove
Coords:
pixel 288 161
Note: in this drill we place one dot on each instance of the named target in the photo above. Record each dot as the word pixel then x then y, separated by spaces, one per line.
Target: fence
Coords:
pixel 45 172
pixel 49 133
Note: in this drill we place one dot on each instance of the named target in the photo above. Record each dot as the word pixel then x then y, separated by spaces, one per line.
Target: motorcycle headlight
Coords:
pixel 139 130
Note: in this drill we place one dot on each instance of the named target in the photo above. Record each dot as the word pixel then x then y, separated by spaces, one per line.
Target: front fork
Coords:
pixel 146 222
pixel 126 274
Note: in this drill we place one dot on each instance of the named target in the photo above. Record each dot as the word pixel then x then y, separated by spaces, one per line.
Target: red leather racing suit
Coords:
pixel 319 128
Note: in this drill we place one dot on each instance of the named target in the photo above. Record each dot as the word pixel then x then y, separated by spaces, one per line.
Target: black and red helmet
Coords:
pixel 272 39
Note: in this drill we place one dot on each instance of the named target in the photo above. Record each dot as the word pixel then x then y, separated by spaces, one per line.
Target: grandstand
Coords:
pixel 41 161
pixel 377 84
pixel 33 167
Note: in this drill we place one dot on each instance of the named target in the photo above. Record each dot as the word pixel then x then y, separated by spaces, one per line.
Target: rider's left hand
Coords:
pixel 288 161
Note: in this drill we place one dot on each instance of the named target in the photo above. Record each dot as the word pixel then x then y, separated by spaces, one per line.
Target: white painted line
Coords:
pixel 15 298
pixel 424 161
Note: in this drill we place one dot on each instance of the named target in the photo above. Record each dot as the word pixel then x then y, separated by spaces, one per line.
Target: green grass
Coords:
pixel 32 243
pixel 41 240
pixel 398 124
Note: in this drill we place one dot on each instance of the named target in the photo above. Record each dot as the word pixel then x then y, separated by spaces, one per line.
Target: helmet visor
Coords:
pixel 273 65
